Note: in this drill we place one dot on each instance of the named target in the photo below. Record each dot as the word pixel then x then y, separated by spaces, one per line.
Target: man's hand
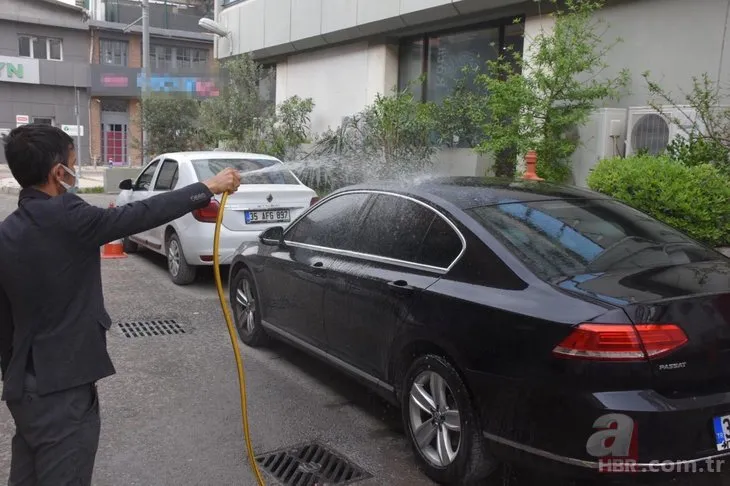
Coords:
pixel 226 180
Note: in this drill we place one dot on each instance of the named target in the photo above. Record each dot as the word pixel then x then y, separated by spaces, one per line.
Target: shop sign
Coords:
pixel 19 70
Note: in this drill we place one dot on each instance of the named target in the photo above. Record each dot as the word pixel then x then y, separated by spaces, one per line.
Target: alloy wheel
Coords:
pixel 434 419
pixel 173 257
pixel 245 306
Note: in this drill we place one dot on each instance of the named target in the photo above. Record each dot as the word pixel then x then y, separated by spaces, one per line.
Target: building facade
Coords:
pixel 181 60
pixel 44 67
pixel 342 53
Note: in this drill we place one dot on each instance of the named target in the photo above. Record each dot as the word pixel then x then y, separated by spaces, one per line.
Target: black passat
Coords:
pixel 511 321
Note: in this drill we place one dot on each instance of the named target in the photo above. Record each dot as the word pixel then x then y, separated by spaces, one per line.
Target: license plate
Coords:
pixel 267 216
pixel 721 425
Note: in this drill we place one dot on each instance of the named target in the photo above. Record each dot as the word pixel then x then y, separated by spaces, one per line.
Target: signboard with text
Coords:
pixel 19 70
pixel 73 130
pixel 21 120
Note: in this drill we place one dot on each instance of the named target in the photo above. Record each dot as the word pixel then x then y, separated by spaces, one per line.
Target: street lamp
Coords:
pixel 217 29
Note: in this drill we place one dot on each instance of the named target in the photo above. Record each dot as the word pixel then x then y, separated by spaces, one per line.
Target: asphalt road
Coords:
pixel 170 416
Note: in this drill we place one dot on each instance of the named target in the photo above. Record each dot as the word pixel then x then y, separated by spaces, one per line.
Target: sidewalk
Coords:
pixel 90 177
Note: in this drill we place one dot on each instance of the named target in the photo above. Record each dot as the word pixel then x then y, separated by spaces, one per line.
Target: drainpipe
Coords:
pixel 146 66
pixel 91 61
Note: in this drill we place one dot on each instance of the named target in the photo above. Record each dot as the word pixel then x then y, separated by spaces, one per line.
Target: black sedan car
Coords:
pixel 518 322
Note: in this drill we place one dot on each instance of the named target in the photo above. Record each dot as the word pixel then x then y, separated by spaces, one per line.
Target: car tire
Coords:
pixel 181 272
pixel 244 300
pixel 129 246
pixel 447 419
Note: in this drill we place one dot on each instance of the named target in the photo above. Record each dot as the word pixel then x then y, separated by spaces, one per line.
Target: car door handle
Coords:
pixel 319 270
pixel 401 285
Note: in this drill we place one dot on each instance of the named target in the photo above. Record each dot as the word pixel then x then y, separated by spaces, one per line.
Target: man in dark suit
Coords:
pixel 53 322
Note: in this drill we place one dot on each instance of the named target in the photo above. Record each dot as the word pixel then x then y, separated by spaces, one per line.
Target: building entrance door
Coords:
pixel 115 134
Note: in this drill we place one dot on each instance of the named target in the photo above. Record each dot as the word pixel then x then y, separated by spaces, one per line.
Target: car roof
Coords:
pixel 469 192
pixel 217 154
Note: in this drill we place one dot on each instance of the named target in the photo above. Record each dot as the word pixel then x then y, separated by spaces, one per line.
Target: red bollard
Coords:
pixel 531 162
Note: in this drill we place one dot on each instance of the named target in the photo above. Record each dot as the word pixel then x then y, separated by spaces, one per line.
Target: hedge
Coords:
pixel 695 200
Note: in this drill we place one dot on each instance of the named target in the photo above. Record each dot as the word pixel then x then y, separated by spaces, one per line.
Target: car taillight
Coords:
pixel 314 200
pixel 620 342
pixel 208 214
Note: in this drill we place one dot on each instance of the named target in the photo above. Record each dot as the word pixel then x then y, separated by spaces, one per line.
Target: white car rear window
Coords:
pixel 253 171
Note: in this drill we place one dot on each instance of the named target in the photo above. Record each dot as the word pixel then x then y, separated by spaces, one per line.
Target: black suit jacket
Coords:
pixel 52 315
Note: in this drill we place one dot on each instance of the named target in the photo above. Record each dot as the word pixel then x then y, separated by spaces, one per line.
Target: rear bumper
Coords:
pixel 197 243
pixel 549 428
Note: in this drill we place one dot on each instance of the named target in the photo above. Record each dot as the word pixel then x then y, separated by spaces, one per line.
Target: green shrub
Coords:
pixel 693 199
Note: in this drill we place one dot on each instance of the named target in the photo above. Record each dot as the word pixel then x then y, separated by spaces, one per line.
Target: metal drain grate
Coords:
pixel 309 465
pixel 140 329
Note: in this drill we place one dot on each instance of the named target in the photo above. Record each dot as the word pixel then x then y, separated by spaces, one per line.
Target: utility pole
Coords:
pixel 146 69
pixel 78 140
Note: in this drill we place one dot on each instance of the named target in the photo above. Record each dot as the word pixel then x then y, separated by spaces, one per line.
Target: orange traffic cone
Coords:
pixel 114 249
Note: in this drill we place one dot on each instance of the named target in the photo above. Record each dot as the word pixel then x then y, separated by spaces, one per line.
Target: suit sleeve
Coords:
pixel 7 329
pixel 99 226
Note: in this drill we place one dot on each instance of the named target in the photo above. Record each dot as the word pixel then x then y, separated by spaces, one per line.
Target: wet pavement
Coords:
pixel 170 416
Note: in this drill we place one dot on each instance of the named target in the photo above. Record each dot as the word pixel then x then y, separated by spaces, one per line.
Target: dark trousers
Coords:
pixel 56 437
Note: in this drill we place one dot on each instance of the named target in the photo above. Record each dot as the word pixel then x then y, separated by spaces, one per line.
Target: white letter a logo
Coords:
pixel 614 438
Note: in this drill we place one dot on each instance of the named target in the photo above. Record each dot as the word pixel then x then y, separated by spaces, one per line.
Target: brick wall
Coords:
pixel 95 46
pixel 135 51
pixel 135 133
pixel 95 130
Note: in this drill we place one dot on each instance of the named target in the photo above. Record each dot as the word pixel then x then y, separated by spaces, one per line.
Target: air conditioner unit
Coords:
pixel 651 132
pixel 601 137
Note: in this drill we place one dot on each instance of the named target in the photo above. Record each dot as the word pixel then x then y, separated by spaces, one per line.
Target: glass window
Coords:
pixel 332 224
pixel 145 178
pixel 24 49
pixel 43 120
pixel 560 239
pixel 183 56
pixel 410 66
pixel 447 54
pixel 167 178
pixel 441 246
pixel 253 171
pixel 394 228
pixel 54 49
pixel 113 52
pixel 40 48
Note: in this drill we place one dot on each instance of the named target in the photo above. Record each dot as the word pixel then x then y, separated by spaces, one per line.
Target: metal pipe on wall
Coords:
pixel 146 66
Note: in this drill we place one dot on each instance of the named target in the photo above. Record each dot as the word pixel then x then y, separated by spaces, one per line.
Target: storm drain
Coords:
pixel 141 329
pixel 309 465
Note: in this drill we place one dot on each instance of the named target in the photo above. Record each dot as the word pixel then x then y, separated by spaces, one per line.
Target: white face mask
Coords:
pixel 65 185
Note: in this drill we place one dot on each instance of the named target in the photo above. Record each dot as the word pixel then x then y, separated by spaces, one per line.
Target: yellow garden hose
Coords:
pixel 234 343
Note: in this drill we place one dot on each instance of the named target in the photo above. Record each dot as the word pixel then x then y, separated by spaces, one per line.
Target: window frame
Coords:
pixel 377 258
pixel 155 162
pixel 31 38
pixel 123 54
pixel 175 175
pixel 502 24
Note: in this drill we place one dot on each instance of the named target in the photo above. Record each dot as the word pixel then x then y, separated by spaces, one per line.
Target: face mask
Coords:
pixel 68 187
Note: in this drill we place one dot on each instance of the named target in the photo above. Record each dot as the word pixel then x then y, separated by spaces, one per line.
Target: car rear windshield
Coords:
pixel 253 171
pixel 565 238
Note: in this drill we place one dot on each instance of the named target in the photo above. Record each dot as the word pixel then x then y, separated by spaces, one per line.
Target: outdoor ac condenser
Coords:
pixel 651 131
pixel 601 137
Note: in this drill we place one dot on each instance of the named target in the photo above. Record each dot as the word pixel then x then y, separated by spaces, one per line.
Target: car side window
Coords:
pixel 145 178
pixel 167 178
pixel 441 246
pixel 332 224
pixel 394 228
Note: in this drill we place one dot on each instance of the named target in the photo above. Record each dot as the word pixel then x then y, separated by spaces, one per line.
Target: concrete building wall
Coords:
pixel 274 27
pixel 674 39
pixel 57 102
pixel 342 80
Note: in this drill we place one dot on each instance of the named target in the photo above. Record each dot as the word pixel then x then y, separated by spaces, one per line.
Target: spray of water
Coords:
pixel 338 171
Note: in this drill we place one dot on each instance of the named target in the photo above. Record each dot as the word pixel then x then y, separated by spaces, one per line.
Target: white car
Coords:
pixel 269 195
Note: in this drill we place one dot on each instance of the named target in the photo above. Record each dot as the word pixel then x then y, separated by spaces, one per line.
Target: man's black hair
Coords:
pixel 33 150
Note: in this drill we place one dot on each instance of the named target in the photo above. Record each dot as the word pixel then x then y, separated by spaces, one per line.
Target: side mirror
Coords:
pixel 272 236
pixel 126 185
